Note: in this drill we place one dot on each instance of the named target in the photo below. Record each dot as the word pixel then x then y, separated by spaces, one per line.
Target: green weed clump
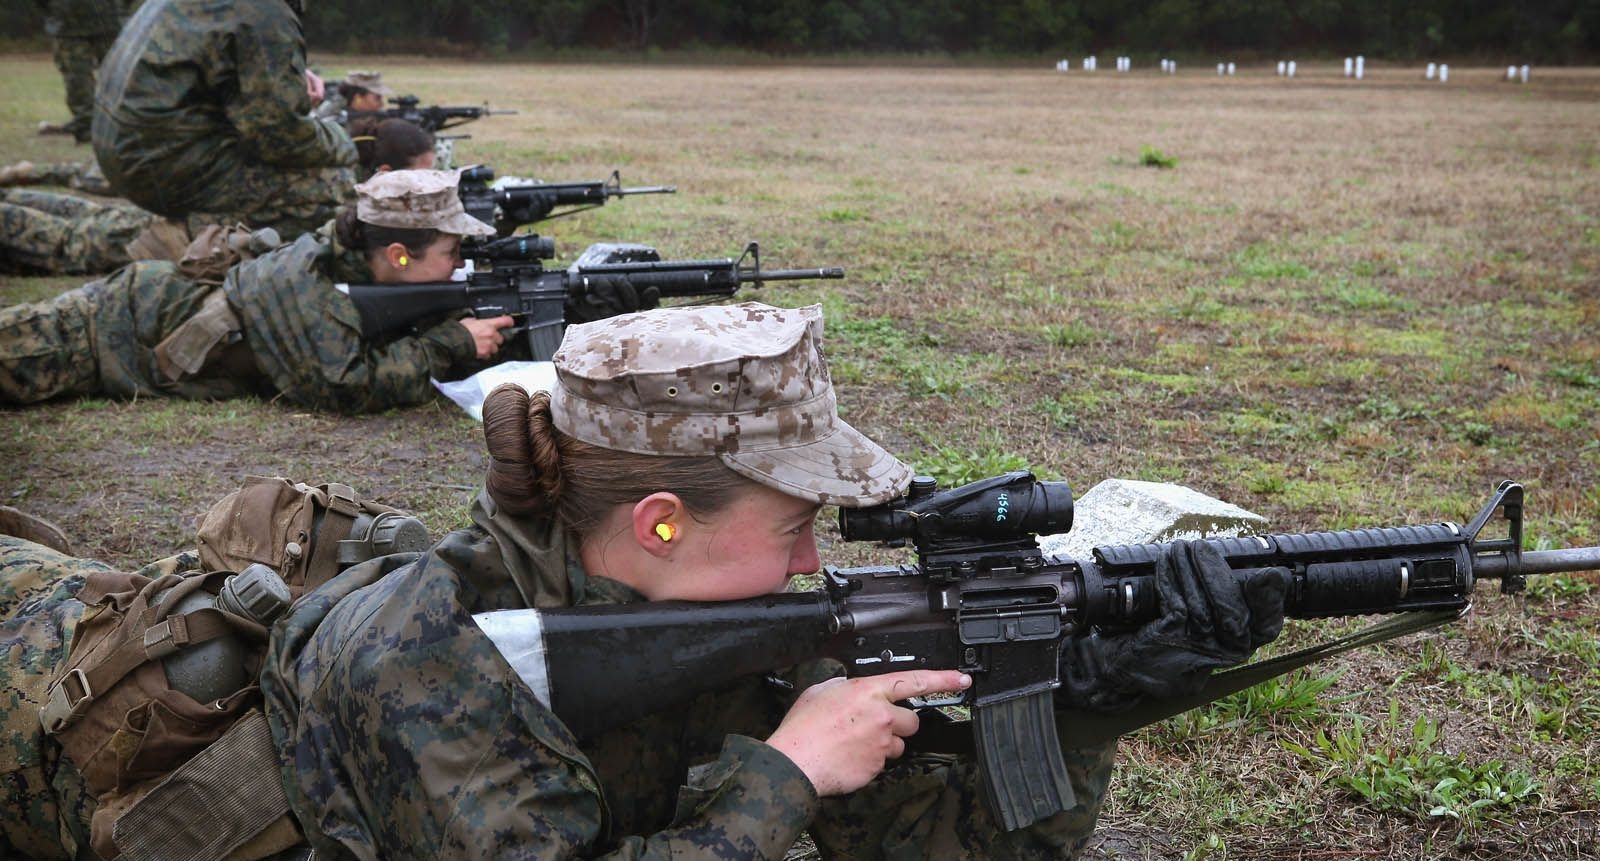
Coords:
pixel 1400 771
pixel 1149 156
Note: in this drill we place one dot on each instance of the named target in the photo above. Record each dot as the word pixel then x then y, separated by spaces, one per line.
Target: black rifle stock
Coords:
pixel 511 206
pixel 509 278
pixel 985 600
pixel 431 118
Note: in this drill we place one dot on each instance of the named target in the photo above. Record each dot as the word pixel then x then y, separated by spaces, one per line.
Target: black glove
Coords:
pixel 597 297
pixel 1210 618
pixel 526 206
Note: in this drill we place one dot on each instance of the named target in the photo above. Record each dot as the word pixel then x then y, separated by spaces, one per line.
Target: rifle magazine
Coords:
pixel 1019 756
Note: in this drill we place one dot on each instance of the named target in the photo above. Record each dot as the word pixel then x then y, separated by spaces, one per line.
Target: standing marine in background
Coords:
pixel 82 32
pixel 202 112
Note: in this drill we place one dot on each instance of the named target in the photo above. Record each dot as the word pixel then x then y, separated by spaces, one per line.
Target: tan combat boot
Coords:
pixel 49 128
pixel 36 529
pixel 21 173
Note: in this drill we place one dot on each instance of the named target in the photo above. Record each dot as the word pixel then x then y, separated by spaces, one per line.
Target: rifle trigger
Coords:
pixel 781 684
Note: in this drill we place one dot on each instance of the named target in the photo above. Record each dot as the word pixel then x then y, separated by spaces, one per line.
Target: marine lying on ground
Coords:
pixel 434 118
pixel 507 205
pixel 509 278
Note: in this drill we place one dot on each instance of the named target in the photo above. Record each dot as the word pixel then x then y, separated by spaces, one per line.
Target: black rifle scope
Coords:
pixel 518 248
pixel 1006 507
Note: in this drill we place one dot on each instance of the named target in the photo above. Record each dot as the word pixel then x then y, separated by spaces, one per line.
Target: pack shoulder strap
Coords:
pixel 225 802
pixel 342 507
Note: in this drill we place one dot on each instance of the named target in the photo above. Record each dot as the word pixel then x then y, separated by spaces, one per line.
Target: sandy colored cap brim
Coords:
pixel 417 199
pixel 746 383
pixel 463 224
pixel 369 81
pixel 845 469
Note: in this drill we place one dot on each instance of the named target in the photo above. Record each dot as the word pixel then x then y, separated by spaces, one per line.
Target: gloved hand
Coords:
pixel 526 207
pixel 602 296
pixel 1209 618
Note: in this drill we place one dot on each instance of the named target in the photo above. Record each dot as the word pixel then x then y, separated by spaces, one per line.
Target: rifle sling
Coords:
pixel 1087 729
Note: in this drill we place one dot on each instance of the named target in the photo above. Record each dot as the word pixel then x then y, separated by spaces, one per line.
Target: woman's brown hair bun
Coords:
pixel 524 473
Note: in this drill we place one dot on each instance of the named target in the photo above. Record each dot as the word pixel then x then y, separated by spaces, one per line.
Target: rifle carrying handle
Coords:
pixel 1019 758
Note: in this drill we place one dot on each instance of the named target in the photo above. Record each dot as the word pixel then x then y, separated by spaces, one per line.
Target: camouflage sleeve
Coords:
pixel 305 337
pixel 272 111
pixel 931 806
pixel 405 735
pixel 376 377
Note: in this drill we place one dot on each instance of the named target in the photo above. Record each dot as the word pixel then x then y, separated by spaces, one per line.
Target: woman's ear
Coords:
pixel 659 521
pixel 397 255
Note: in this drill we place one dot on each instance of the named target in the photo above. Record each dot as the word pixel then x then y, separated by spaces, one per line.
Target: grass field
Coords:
pixel 1337 304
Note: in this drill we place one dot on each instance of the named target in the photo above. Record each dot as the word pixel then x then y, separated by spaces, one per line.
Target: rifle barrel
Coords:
pixel 791 274
pixel 1564 560
pixel 646 189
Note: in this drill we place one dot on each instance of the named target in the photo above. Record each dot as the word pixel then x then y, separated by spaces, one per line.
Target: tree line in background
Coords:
pixel 1538 31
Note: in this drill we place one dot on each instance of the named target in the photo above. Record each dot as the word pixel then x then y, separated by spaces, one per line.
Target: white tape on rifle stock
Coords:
pixel 519 637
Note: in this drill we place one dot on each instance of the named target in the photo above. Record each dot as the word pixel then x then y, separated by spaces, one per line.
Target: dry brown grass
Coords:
pixel 1348 304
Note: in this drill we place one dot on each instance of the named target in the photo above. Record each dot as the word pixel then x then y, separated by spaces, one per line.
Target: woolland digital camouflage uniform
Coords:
pixel 406 735
pixel 201 112
pixel 83 31
pixel 291 334
pixel 65 235
pixel 44 806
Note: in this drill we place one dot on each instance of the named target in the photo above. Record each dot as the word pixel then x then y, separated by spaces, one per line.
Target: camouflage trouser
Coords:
pixel 256 195
pixel 66 235
pixel 81 175
pixel 48 349
pixel 77 58
pixel 44 810
pixel 292 201
pixel 931 807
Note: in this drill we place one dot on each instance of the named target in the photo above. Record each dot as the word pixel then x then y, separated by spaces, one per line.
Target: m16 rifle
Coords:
pixel 509 278
pixel 508 207
pixel 983 599
pixel 432 118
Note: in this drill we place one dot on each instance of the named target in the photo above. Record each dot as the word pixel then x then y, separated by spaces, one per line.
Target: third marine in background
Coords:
pixel 358 92
pixel 276 327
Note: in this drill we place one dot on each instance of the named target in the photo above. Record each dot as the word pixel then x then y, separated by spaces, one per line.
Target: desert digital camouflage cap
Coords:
pixel 747 383
pixel 417 199
pixel 372 81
